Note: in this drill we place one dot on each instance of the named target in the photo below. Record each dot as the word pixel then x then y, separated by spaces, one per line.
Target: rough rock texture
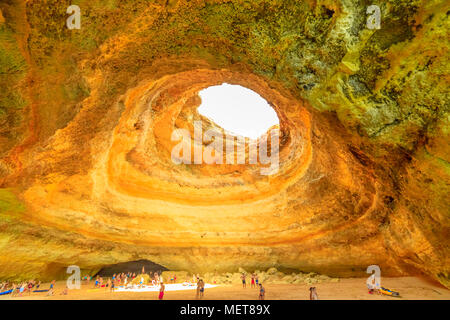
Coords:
pixel 272 275
pixel 86 117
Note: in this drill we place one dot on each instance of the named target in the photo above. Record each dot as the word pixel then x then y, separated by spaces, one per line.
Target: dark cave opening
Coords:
pixel 131 266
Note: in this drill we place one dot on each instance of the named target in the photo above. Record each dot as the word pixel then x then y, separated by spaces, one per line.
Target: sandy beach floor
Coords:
pixel 410 288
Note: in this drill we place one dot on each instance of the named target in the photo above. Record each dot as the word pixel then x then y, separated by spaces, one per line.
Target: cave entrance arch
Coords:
pixel 131 266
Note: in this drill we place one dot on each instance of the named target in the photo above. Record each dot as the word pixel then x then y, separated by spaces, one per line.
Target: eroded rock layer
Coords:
pixel 87 117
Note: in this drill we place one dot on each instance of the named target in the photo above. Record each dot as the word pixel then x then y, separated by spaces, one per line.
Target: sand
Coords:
pixel 410 288
pixel 168 287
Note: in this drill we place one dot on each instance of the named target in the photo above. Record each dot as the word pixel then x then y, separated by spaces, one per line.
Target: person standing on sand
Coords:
pixel 252 284
pixel 313 294
pixel 262 292
pixel 13 292
pixel 52 288
pixel 30 286
pixel 161 291
pixel 244 285
pixel 22 289
pixel 202 288
pixel 197 294
pixel 372 285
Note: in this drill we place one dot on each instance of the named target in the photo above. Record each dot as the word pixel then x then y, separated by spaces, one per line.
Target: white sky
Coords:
pixel 237 109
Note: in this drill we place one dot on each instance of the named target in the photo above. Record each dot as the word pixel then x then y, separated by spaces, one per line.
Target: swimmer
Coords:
pixel 161 291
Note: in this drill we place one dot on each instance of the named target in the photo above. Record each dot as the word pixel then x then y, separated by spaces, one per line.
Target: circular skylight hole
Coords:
pixel 238 110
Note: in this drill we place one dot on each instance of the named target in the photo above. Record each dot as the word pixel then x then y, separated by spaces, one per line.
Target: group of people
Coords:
pixel 126 280
pixel 27 287
pixel 18 289
pixel 262 291
pixel 200 289
pixel 254 284
pixel 112 282
pixel 254 280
